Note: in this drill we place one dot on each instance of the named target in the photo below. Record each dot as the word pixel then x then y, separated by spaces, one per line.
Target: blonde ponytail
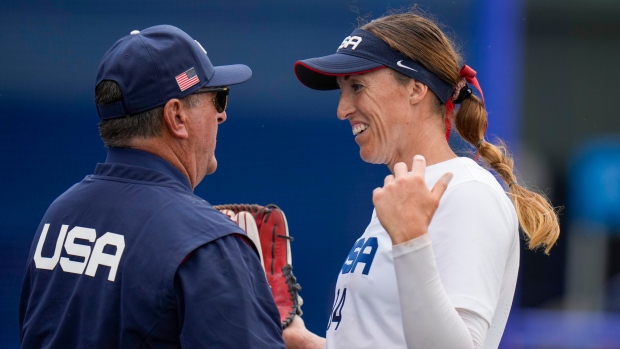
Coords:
pixel 537 217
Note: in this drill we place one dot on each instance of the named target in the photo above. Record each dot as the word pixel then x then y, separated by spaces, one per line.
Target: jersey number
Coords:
pixel 337 308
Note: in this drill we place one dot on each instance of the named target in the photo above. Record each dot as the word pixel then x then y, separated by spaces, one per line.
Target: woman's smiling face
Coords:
pixel 378 109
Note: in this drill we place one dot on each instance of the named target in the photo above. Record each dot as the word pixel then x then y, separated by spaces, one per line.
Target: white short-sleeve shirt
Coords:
pixel 475 239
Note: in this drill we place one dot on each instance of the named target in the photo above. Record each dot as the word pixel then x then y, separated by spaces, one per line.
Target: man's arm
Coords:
pixel 224 299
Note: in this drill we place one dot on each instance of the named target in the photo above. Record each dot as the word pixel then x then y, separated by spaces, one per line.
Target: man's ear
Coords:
pixel 176 118
pixel 417 91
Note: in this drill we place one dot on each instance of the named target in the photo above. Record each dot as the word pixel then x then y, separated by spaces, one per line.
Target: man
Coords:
pixel 130 257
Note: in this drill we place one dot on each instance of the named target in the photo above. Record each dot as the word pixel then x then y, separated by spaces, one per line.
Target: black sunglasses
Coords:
pixel 221 97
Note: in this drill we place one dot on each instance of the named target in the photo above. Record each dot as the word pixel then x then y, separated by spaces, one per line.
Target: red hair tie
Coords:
pixel 469 75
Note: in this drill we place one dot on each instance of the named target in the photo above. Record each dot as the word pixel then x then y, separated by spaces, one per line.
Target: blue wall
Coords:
pixel 281 144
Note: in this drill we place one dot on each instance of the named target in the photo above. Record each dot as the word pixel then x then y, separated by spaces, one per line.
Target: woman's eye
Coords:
pixel 357 87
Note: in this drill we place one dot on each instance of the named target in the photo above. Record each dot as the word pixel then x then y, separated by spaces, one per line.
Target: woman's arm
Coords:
pixel 429 318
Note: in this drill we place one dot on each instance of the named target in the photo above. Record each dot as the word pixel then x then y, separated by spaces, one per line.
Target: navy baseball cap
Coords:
pixel 156 64
pixel 362 52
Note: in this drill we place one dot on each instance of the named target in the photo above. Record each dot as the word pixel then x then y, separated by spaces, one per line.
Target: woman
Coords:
pixel 409 281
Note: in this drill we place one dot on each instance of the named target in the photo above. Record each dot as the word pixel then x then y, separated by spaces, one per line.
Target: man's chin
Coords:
pixel 211 167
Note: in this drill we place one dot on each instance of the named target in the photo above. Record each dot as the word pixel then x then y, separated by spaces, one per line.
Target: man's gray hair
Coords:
pixel 117 133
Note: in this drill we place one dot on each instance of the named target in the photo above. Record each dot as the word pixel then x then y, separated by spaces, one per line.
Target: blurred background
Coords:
pixel 550 77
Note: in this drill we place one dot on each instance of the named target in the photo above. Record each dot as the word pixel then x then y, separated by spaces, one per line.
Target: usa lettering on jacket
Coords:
pixel 93 258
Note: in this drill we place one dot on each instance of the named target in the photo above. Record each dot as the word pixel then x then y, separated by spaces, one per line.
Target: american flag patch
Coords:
pixel 187 79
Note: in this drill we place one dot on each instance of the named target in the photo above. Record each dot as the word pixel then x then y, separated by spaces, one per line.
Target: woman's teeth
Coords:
pixel 357 129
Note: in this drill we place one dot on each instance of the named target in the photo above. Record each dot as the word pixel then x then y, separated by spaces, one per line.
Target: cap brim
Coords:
pixel 320 73
pixel 226 75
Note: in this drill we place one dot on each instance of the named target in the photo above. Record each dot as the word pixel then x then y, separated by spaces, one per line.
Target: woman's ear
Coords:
pixel 176 118
pixel 417 91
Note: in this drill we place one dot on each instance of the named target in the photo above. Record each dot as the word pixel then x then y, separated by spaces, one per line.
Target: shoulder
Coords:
pixel 465 171
pixel 231 249
pixel 194 215
pixel 474 203
pixel 471 185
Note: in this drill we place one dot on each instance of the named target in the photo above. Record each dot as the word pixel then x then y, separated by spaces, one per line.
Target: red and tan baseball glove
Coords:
pixel 266 226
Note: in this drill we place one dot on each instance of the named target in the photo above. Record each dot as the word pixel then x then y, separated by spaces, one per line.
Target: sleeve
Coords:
pixel 452 276
pixel 472 233
pixel 224 300
pixel 429 318
pixel 422 296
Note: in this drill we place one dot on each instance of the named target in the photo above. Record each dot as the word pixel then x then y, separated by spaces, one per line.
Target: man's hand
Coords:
pixel 405 205
pixel 297 336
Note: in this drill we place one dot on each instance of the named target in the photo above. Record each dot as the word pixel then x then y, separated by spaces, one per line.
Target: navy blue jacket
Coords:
pixel 131 258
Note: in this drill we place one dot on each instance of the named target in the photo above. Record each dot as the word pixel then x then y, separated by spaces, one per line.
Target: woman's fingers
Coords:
pixel 442 184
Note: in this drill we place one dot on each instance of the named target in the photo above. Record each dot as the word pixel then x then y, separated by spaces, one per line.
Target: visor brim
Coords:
pixel 320 73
